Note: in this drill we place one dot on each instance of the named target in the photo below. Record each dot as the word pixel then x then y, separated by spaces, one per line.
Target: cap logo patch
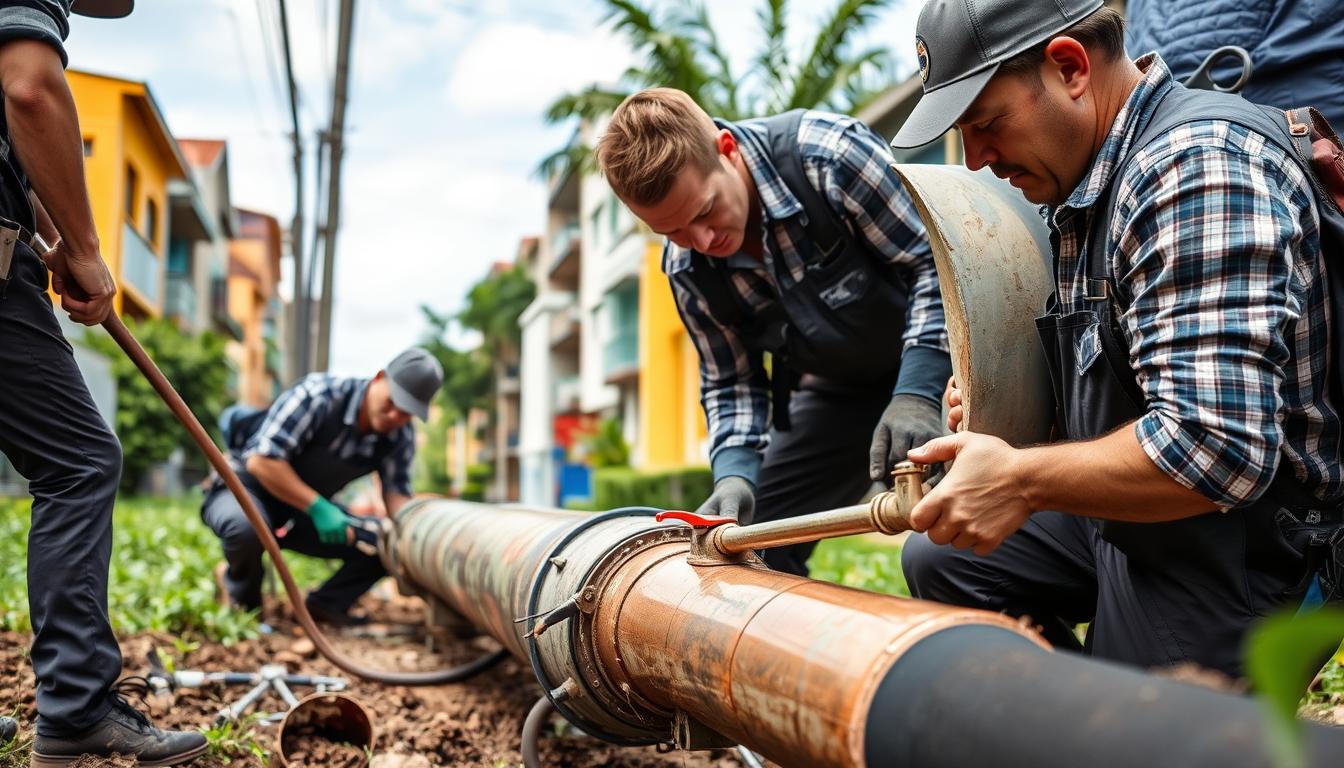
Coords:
pixel 922 52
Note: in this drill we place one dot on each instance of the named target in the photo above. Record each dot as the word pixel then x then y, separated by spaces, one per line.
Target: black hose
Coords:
pixel 534 596
pixel 536 718
pixel 980 695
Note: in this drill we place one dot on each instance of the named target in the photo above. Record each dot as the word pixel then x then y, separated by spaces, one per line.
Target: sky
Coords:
pixel 444 124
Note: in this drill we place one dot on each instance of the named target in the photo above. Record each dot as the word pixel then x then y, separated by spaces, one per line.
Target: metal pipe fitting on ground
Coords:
pixel 634 643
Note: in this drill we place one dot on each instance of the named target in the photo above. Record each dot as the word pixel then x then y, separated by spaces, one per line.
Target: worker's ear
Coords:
pixel 726 143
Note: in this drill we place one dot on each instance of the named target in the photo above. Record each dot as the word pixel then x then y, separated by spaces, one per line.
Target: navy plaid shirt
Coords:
pixel 851 166
pixel 1223 301
pixel 294 418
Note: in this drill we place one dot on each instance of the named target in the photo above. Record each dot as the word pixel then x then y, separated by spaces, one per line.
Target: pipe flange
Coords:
pixel 610 686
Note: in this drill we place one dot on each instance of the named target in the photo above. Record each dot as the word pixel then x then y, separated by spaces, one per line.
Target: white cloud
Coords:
pixel 519 69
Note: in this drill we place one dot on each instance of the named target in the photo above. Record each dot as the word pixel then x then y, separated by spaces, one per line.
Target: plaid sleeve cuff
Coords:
pixel 1202 462
pixel 736 461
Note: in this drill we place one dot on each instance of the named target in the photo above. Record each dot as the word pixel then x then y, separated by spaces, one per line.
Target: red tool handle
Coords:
pixel 692 519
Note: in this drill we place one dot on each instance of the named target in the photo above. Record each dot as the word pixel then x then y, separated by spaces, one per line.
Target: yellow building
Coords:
pixel 672 428
pixel 129 160
pixel 254 303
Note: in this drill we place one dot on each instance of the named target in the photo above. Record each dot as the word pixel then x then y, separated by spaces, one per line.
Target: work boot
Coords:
pixel 123 731
pixel 336 618
pixel 9 728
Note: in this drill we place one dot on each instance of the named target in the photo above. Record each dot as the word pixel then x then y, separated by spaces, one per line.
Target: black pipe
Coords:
pixel 982 696
pixel 536 718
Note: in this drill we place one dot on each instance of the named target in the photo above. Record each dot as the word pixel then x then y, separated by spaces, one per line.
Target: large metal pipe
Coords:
pixel 646 645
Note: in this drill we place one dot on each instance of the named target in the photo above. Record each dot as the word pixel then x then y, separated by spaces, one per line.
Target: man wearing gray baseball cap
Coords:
pixel 1188 341
pixel 316 438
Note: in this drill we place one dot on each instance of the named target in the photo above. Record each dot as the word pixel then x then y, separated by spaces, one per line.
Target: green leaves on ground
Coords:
pixel 860 562
pixel 161 573
pixel 1283 654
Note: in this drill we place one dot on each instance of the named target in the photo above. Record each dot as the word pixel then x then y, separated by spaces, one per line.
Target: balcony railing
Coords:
pixel 179 301
pixel 566 394
pixel 140 266
pixel 621 355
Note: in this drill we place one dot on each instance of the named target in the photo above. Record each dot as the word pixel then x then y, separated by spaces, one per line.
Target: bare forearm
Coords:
pixel 45 226
pixel 44 130
pixel 394 502
pixel 1109 477
pixel 281 481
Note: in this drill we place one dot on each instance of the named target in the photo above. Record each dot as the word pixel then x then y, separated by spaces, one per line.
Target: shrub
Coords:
pixel 615 487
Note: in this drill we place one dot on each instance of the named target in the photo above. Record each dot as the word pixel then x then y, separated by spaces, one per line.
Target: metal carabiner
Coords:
pixel 1203 77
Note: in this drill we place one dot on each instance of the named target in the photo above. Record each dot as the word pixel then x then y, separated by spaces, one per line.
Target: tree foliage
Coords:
pixel 494 305
pixel 197 367
pixel 678 47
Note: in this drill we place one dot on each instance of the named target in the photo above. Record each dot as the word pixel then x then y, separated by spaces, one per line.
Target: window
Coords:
pixel 88 147
pixel 151 222
pixel 132 191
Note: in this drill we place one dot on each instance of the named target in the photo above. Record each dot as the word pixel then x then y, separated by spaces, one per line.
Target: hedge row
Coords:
pixel 615 487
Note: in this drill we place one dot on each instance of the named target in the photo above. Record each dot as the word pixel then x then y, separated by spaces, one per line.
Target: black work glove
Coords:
pixel 733 497
pixel 908 422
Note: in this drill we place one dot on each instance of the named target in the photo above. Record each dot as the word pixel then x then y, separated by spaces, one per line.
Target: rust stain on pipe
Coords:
pixel 783 664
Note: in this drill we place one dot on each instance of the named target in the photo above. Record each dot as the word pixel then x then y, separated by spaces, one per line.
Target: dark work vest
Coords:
pixel 1215 549
pixel 321 466
pixel 842 321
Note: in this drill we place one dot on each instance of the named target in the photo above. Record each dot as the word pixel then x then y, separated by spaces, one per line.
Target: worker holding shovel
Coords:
pixel 49 427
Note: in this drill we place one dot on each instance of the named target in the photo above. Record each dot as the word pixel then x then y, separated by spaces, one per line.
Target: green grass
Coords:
pixel 860 562
pixel 162 558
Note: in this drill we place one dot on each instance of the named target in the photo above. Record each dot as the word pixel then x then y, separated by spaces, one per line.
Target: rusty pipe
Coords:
pixel 659 650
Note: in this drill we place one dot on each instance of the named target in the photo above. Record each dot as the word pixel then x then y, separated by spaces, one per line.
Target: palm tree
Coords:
pixel 679 48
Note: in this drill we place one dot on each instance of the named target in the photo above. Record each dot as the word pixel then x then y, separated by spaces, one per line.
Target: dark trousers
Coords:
pixel 242 551
pixel 821 463
pixel 1059 571
pixel 52 432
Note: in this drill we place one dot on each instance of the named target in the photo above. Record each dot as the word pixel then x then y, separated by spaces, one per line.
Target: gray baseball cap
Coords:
pixel 414 377
pixel 960 45
pixel 103 9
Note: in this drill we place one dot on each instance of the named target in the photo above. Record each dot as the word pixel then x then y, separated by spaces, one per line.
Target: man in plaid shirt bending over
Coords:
pixel 1188 342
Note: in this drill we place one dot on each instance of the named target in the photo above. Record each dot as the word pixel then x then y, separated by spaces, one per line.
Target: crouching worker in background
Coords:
pixel 318 437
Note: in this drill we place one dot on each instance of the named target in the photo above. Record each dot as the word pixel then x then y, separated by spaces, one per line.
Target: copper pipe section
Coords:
pixel 784 665
pixel 119 333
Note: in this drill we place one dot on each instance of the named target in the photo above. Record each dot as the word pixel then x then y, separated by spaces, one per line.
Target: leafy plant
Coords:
pixel 1283 654
pixel 199 370
pixel 606 446
pixel 232 740
pixel 856 561
pixel 677 47
pixel 161 580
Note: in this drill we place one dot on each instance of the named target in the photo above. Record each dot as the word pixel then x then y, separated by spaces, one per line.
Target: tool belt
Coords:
pixel 11 234
pixel 1318 535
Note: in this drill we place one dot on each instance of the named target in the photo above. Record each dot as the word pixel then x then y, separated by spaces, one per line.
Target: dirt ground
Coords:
pixel 476 723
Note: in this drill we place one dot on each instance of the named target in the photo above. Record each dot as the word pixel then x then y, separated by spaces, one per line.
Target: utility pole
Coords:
pixel 299 332
pixel 335 139
pixel 319 236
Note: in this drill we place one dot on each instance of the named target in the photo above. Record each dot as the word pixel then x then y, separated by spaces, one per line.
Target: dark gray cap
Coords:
pixel 103 9
pixel 414 377
pixel 960 45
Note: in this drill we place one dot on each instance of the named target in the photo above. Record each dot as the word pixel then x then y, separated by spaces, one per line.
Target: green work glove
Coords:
pixel 329 520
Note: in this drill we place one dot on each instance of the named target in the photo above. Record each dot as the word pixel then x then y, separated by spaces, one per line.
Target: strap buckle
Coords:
pixel 1096 289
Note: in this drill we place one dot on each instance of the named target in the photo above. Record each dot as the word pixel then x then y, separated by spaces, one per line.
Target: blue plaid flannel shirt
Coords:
pixel 851 166
pixel 293 420
pixel 1223 300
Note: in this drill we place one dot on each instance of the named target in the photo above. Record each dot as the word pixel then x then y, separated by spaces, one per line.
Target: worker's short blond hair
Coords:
pixel 652 136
